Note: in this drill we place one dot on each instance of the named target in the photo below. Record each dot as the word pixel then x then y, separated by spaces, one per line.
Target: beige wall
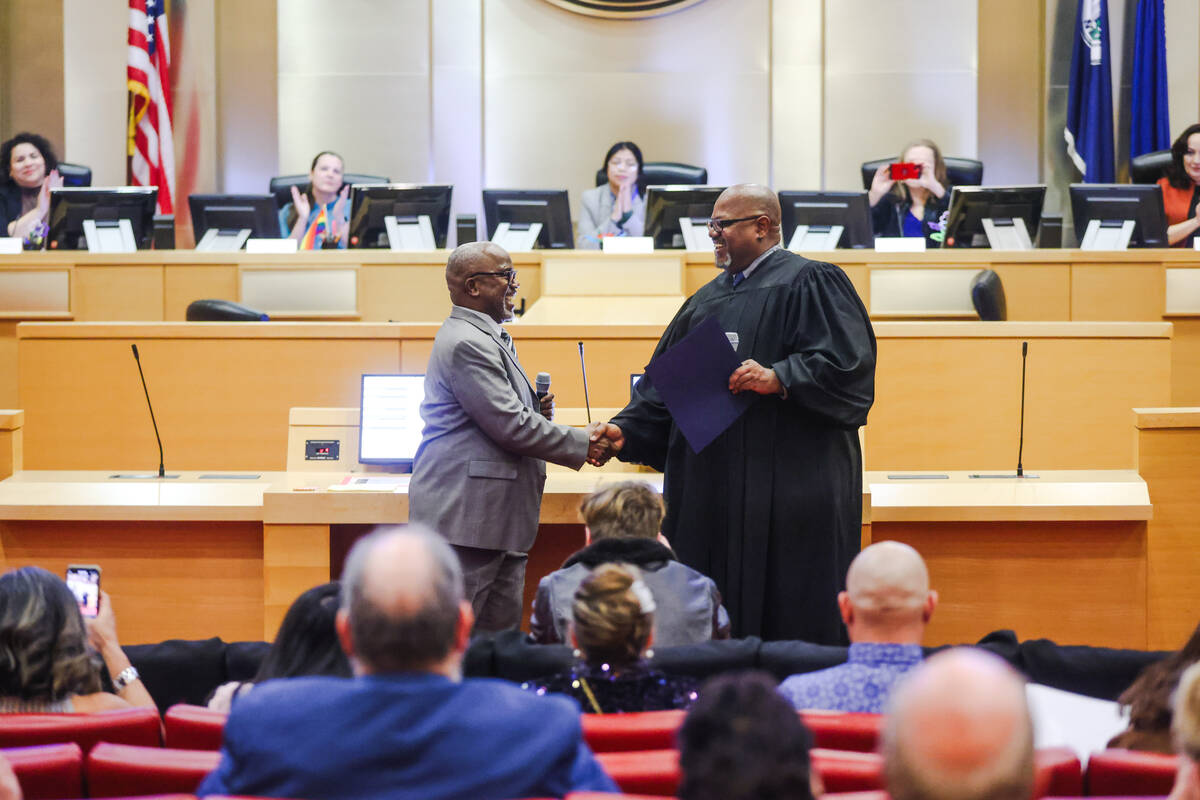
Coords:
pixel 31 69
pixel 94 86
pixel 247 101
pixel 1183 62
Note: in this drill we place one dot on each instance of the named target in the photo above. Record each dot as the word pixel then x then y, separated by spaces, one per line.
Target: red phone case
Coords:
pixel 902 171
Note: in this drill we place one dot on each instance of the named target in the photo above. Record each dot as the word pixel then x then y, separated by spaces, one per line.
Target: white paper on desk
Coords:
pixel 10 246
pixel 272 245
pixel 627 245
pixel 1065 719
pixel 900 244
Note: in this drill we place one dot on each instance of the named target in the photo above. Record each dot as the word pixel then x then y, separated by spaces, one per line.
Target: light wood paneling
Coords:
pixel 416 294
pixel 182 284
pixel 8 364
pixel 1185 361
pixel 1117 291
pixel 1075 583
pixel 118 293
pixel 1036 292
pixel 11 442
pixel 295 558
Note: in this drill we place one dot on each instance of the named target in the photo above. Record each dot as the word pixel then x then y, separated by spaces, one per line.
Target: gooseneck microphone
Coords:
pixel 543 384
pixel 162 473
pixel 583 369
pixel 1021 438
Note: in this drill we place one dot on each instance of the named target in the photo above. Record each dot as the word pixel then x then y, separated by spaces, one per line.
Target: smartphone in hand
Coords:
pixel 903 171
pixel 84 582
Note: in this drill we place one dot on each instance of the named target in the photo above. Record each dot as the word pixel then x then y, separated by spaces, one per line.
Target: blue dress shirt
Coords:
pixel 861 684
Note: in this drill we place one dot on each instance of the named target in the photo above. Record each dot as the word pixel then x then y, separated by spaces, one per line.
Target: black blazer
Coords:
pixel 887 216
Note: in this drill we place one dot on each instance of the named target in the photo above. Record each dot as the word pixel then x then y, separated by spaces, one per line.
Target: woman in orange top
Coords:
pixel 1181 188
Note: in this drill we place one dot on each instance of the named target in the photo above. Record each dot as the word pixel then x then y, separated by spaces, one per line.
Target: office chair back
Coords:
pixel 665 173
pixel 1149 167
pixel 281 185
pixel 75 174
pixel 987 295
pixel 222 311
pixel 959 171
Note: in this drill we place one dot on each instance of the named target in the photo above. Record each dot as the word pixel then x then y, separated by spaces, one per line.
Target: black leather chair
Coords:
pixel 987 295
pixel 75 174
pixel 959 171
pixel 666 173
pixel 222 311
pixel 1149 167
pixel 281 185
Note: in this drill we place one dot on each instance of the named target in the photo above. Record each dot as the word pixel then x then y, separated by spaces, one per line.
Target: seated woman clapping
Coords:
pixel 319 216
pixel 29 173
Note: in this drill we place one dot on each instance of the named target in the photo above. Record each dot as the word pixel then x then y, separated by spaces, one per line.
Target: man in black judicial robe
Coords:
pixel 772 509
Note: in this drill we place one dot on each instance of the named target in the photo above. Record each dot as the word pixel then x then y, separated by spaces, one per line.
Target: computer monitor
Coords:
pixel 1116 202
pixel 523 207
pixel 230 213
pixel 372 203
pixel 70 207
pixel 848 209
pixel 389 424
pixel 971 205
pixel 665 205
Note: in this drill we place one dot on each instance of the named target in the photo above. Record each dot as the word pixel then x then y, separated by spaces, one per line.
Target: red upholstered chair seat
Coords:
pixel 652 772
pixel 47 771
pixel 846 771
pixel 844 730
pixel 643 730
pixel 1057 772
pixel 1130 772
pixel 194 727
pixel 117 770
pixel 140 726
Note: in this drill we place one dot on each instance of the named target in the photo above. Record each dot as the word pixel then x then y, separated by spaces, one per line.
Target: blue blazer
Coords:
pixel 413 735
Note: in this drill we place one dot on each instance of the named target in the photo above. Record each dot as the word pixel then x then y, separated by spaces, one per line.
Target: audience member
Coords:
pixel 914 206
pixel 1181 188
pixel 306 644
pixel 958 728
pixel 886 606
pixel 29 173
pixel 618 207
pixel 319 217
pixel 407 724
pixel 9 788
pixel 612 629
pixel 742 741
pixel 622 524
pixel 1148 700
pixel 1186 729
pixel 46 663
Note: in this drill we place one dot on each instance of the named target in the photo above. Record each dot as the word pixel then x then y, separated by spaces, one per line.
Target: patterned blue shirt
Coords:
pixel 861 684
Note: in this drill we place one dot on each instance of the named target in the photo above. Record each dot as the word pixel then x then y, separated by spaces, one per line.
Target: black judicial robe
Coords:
pixel 772 509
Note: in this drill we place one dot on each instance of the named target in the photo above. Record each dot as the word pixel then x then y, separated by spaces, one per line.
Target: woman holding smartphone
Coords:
pixel 912 206
pixel 50 657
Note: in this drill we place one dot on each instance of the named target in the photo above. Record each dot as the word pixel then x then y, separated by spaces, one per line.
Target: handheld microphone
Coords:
pixel 543 384
pixel 583 369
pixel 162 473
pixel 1021 438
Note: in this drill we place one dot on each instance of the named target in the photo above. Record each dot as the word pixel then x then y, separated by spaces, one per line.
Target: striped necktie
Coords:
pixel 508 342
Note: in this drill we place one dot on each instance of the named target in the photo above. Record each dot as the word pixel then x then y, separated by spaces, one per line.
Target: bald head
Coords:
pixel 745 199
pixel 959 729
pixel 401 596
pixel 887 597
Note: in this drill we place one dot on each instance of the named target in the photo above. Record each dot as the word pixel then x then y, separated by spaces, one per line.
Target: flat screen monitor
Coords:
pixel 848 209
pixel 665 205
pixel 70 206
pixel 1142 203
pixel 389 424
pixel 371 204
pixel 258 212
pixel 526 206
pixel 971 205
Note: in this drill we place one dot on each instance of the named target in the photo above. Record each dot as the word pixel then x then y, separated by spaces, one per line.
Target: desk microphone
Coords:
pixel 583 369
pixel 1021 438
pixel 162 473
pixel 543 384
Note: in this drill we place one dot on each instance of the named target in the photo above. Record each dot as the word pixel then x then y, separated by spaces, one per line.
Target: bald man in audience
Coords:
pixel 886 606
pixel 959 729
pixel 407 725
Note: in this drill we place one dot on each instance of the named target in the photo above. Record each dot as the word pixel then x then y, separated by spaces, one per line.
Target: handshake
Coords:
pixel 605 441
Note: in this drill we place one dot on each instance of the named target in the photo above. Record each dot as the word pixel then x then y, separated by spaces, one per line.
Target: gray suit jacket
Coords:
pixel 595 218
pixel 479 472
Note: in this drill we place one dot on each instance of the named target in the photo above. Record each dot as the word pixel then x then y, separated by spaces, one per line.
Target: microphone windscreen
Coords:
pixel 542 382
pixel 135 353
pixel 1024 349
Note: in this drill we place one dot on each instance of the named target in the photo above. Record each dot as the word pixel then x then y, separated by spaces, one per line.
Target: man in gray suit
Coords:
pixel 479 472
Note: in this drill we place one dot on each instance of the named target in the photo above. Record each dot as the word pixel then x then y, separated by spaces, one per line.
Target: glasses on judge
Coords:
pixel 509 275
pixel 715 224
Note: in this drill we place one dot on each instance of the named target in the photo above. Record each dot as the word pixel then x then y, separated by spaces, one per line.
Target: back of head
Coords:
pixel 630 509
pixel 613 615
pixel 1149 697
pixel 959 729
pixel 742 741
pixel 307 642
pixel 1186 724
pixel 43 643
pixel 888 587
pixel 401 591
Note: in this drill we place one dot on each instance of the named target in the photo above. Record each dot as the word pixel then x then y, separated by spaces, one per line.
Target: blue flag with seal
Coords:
pixel 1089 130
pixel 1149 122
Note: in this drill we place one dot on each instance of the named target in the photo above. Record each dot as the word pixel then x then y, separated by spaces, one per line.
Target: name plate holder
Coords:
pixel 517 236
pixel 260 246
pixel 816 238
pixel 1007 234
pixel 900 244
pixel 409 233
pixel 223 240
pixel 10 246
pixel 695 234
pixel 109 236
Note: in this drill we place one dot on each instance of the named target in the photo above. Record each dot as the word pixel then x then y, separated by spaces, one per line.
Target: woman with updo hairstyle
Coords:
pixel 319 217
pixel 50 658
pixel 29 171
pixel 612 631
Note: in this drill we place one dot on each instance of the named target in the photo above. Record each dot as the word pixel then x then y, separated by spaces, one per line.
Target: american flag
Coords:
pixel 151 151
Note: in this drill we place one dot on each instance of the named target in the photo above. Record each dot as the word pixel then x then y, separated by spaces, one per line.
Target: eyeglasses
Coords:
pixel 509 275
pixel 722 224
